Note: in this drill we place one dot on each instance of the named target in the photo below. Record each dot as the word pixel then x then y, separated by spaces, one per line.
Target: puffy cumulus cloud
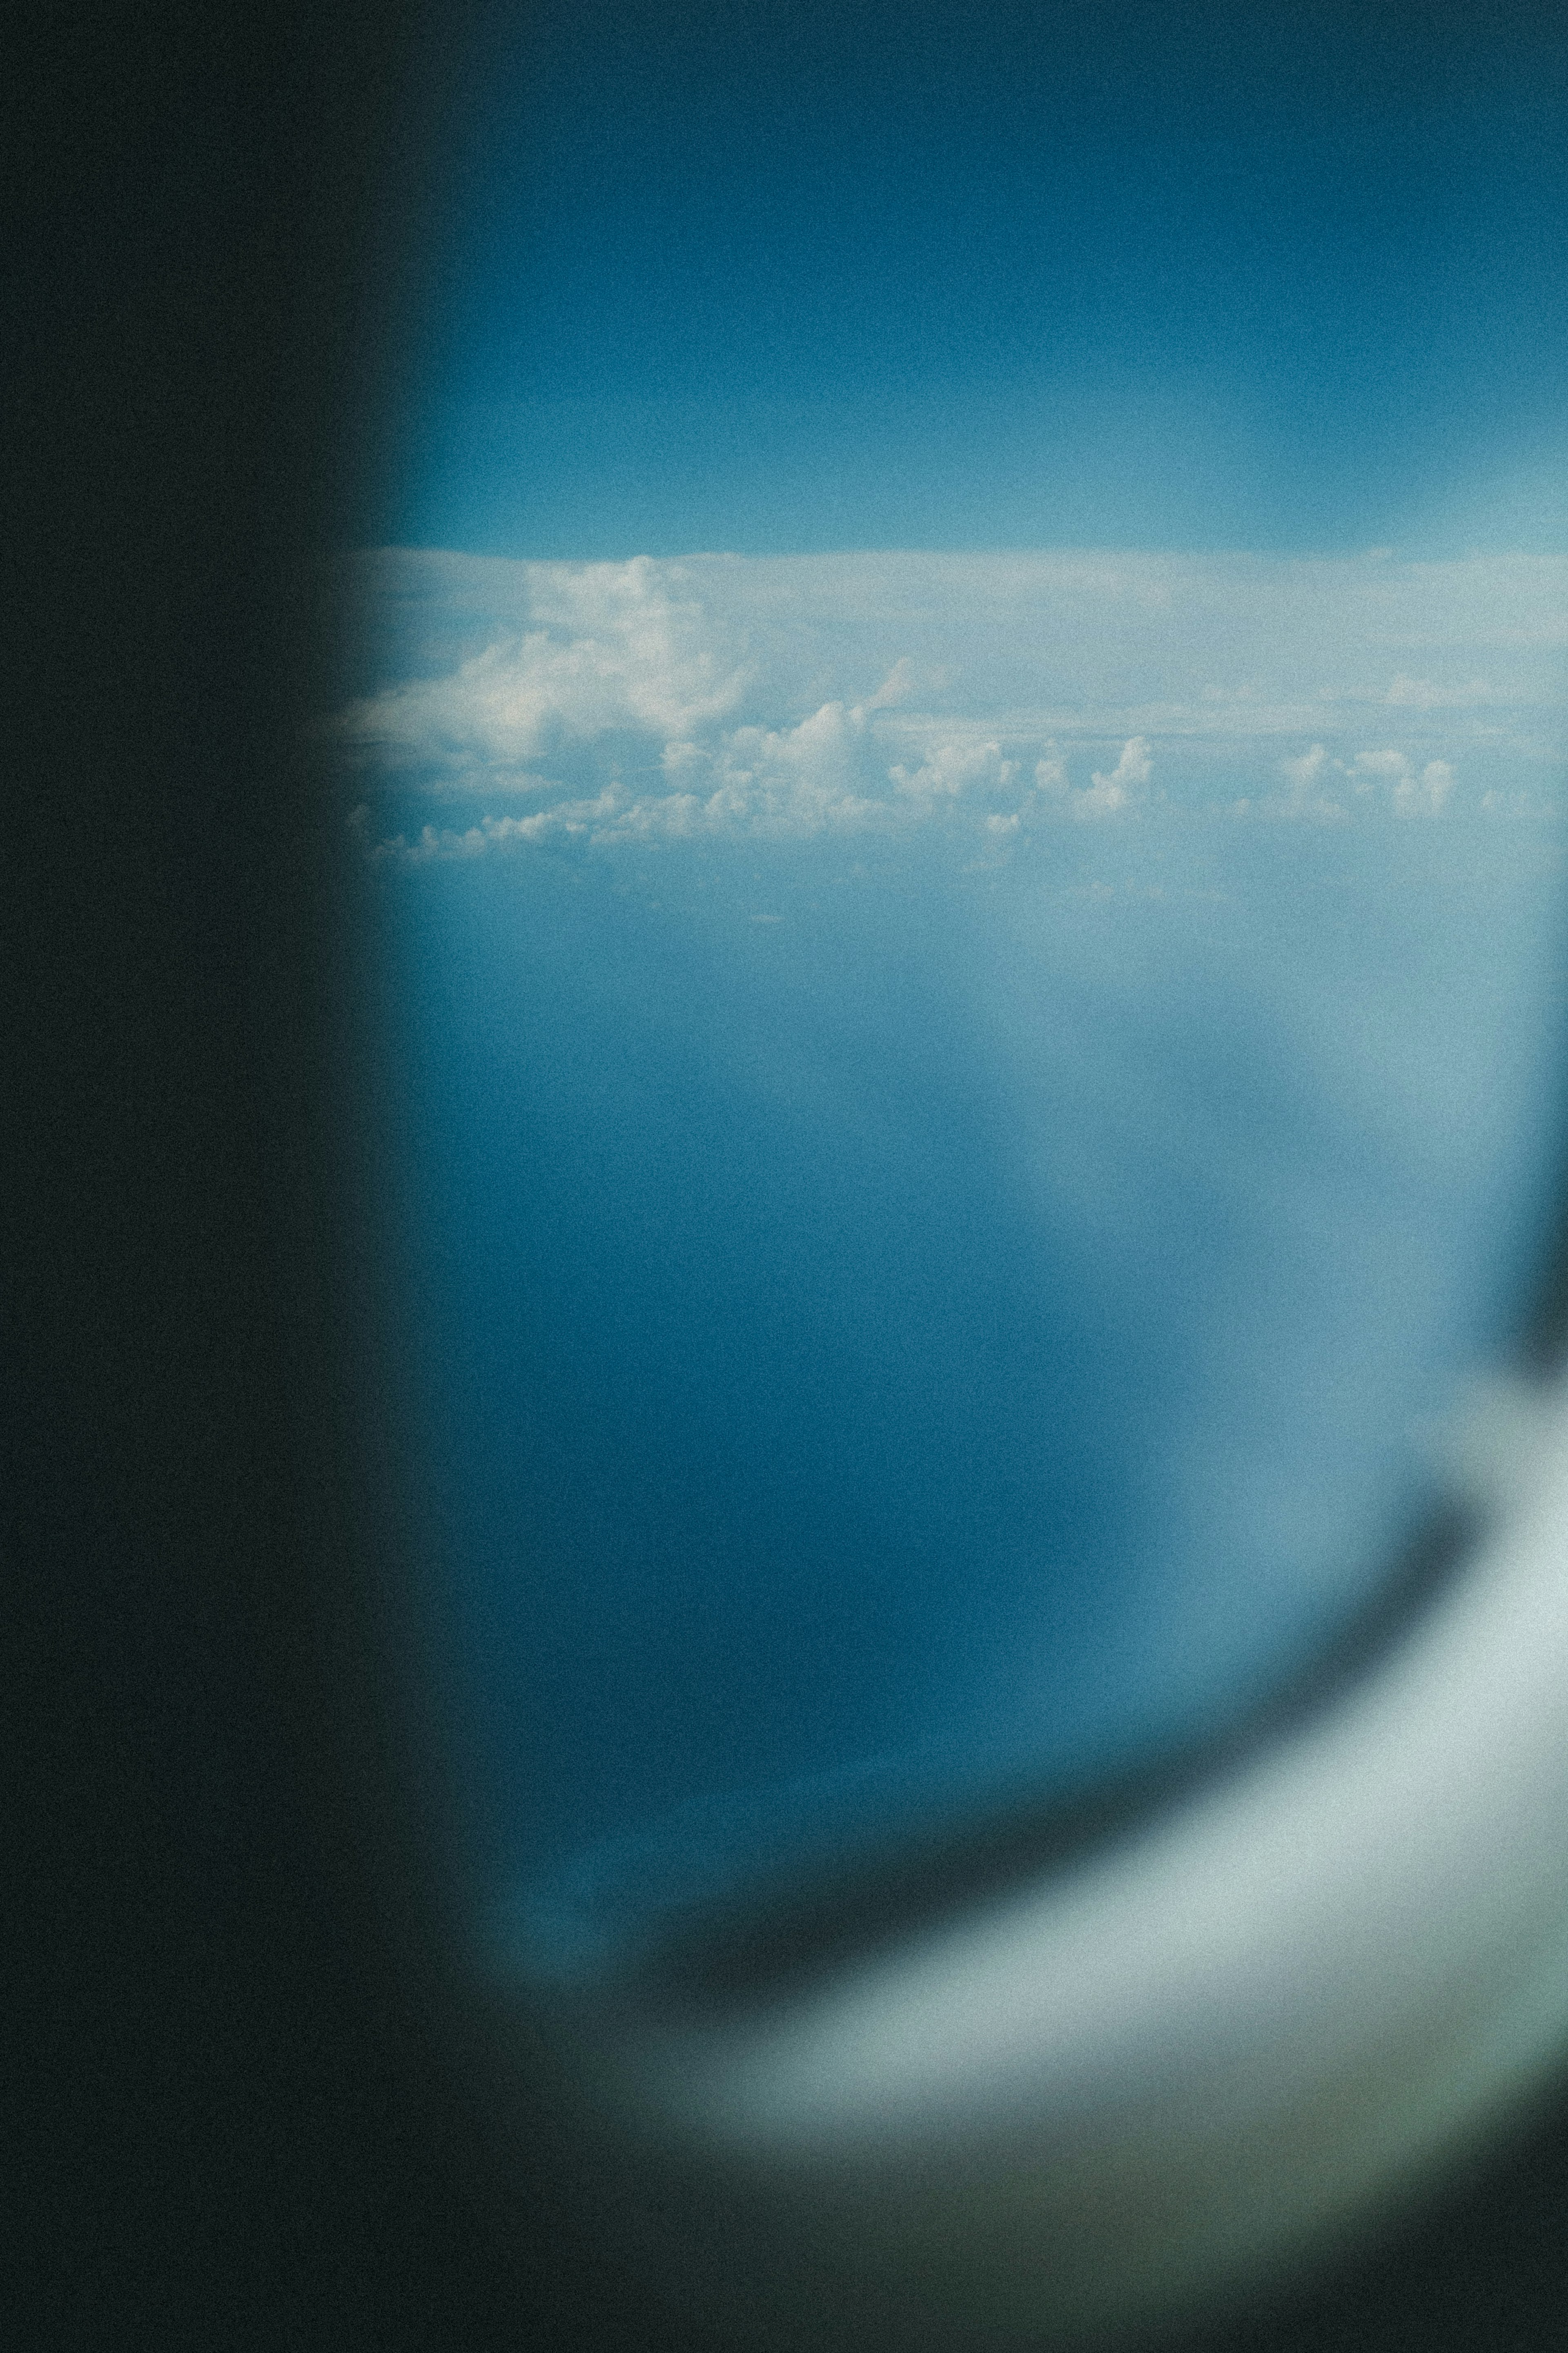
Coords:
pixel 816 777
pixel 620 649
pixel 1412 794
pixel 1308 789
pixel 1306 773
pixel 821 776
pixel 793 696
pixel 1303 772
pixel 444 844
pixel 955 767
pixel 1114 790
pixel 787 783
pixel 1425 795
pixel 1387 774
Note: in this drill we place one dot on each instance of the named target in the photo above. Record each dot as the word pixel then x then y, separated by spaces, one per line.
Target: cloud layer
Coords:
pixel 792 698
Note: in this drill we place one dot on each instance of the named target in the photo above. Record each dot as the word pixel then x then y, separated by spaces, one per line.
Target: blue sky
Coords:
pixel 787 279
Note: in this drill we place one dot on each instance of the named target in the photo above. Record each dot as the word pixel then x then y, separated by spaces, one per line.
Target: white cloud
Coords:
pixel 446 843
pixel 1408 792
pixel 1426 795
pixel 1307 778
pixel 621 649
pixel 1111 792
pixel 955 767
pixel 801 780
pixel 796 697
pixel 1411 794
pixel 1304 772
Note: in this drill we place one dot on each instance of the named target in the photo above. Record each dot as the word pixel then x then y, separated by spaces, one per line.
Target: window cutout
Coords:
pixel 972 1117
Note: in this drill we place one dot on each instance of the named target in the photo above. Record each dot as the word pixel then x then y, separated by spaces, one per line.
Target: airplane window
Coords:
pixel 960 1186
pixel 956 759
